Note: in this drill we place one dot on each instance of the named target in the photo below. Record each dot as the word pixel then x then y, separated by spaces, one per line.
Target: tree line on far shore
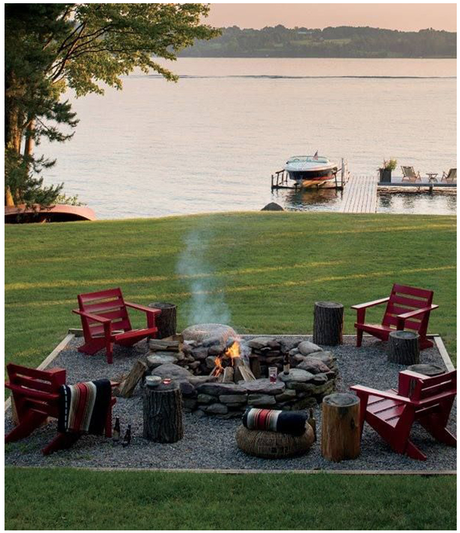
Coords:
pixel 343 41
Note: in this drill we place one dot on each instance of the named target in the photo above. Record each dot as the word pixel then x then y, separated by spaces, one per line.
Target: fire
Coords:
pixel 234 350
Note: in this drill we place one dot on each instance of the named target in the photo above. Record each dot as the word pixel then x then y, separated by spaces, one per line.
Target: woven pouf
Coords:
pixel 272 445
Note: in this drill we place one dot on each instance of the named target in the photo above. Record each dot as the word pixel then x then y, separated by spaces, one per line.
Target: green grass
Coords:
pixel 269 268
pixel 70 499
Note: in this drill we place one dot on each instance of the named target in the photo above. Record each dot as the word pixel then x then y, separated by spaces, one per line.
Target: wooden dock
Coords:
pixel 360 195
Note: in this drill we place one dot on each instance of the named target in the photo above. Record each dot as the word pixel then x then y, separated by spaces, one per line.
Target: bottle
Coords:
pixel 286 364
pixel 116 430
pixel 312 422
pixel 127 437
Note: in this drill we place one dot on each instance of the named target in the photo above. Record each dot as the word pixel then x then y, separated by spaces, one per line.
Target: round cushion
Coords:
pixel 272 445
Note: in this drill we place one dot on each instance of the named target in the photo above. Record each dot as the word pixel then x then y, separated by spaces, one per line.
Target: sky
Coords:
pixel 405 17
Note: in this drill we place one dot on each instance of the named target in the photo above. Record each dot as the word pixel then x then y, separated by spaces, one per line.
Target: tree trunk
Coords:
pixel 167 321
pixel 403 348
pixel 163 413
pixel 328 323
pixel 340 435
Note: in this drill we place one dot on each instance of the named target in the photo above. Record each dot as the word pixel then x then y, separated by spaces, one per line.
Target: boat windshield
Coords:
pixel 308 159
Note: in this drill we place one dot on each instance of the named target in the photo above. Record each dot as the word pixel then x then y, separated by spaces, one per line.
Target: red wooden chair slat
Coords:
pixel 403 299
pixel 392 414
pixel 108 315
pixel 34 404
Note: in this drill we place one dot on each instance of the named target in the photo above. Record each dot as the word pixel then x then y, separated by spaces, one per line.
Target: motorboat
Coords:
pixel 305 169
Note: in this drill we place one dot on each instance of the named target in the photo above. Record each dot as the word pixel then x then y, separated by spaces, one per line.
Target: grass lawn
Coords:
pixel 267 269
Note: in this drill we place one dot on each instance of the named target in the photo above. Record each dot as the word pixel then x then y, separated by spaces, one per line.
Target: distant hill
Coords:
pixel 343 41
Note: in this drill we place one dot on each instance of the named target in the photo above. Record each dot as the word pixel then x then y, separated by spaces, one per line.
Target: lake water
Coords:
pixel 210 142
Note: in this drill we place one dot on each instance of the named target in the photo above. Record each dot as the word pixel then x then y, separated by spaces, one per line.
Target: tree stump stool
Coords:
pixel 426 370
pixel 163 420
pixel 167 321
pixel 328 323
pixel 340 435
pixel 403 348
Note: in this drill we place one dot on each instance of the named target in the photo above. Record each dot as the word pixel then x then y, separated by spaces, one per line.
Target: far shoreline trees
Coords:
pixel 342 41
pixel 52 47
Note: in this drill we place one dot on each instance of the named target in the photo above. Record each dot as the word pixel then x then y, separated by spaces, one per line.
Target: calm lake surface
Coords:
pixel 210 142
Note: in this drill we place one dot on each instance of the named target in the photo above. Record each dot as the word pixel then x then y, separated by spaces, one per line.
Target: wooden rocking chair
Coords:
pixel 407 308
pixel 427 400
pixel 105 321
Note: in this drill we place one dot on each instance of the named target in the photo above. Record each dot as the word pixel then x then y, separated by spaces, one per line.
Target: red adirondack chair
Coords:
pixel 427 400
pixel 36 395
pixel 105 321
pixel 407 308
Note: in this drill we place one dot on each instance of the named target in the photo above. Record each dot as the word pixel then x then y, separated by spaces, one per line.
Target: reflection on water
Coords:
pixel 415 202
pixel 418 202
pixel 309 199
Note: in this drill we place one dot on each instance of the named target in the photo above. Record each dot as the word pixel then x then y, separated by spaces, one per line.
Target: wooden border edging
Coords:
pixel 236 471
pixel 65 341
pixel 443 352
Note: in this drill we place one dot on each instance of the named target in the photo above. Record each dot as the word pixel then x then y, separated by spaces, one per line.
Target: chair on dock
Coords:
pixel 408 308
pixel 450 177
pixel 105 321
pixel 418 398
pixel 409 174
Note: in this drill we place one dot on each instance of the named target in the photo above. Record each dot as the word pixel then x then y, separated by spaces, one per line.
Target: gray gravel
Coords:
pixel 209 442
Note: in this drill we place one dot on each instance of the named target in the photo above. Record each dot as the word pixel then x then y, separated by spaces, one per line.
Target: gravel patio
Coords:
pixel 209 442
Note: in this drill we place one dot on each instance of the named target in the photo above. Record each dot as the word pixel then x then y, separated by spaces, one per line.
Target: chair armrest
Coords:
pixel 143 308
pixel 97 318
pixel 388 395
pixel 417 312
pixel 370 304
pixel 31 393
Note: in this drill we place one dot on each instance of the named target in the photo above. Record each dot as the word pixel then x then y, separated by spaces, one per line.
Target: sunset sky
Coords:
pixel 406 17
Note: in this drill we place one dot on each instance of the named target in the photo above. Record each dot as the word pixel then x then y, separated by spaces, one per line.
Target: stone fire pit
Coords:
pixel 312 375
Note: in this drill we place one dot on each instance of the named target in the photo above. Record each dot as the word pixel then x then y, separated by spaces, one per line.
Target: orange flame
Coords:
pixel 234 350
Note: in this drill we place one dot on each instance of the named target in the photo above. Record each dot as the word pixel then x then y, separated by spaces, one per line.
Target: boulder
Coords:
pixel 326 357
pixel 199 380
pixel 216 389
pixel 319 379
pixel 232 399
pixel 272 206
pixel 288 394
pixel 261 400
pixel 186 387
pixel 259 343
pixel 314 366
pixel 200 353
pixel 160 358
pixel 307 348
pixel 263 386
pixel 201 332
pixel 210 362
pixel 172 371
pixel 296 374
pixel 206 398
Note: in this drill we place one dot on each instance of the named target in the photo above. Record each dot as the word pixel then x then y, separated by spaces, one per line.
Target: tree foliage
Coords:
pixel 52 47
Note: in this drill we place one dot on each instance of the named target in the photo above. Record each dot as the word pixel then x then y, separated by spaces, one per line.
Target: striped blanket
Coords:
pixel 83 407
pixel 291 422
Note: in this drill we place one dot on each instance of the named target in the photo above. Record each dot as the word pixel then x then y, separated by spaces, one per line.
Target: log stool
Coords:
pixel 426 370
pixel 163 421
pixel 273 445
pixel 340 435
pixel 166 322
pixel 403 348
pixel 328 323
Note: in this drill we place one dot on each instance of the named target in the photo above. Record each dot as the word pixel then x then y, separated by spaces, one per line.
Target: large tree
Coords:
pixel 52 47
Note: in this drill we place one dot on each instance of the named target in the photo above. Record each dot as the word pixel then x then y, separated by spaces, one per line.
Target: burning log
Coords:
pixel 231 367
